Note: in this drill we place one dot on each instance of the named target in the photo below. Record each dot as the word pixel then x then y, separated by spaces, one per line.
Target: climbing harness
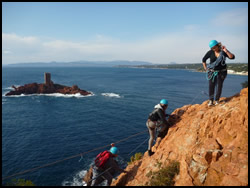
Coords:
pixel 211 75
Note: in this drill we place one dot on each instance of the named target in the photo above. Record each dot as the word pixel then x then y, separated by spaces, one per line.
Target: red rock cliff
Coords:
pixel 46 88
pixel 211 144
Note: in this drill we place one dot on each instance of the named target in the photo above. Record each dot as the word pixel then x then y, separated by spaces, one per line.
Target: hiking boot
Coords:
pixel 160 135
pixel 150 152
pixel 210 103
pixel 163 133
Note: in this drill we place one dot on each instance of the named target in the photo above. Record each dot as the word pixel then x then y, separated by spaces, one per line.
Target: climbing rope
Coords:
pixel 138 146
pixel 211 75
pixel 196 96
pixel 71 157
pixel 202 91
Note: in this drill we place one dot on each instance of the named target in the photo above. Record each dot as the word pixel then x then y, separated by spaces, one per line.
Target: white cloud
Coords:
pixel 232 18
pixel 18 39
pixel 186 46
pixel 17 46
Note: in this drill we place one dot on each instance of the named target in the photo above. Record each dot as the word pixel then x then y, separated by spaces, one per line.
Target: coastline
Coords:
pixel 237 73
pixel 232 72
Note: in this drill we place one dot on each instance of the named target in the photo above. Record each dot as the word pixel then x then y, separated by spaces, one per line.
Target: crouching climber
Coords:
pixel 157 119
pixel 105 166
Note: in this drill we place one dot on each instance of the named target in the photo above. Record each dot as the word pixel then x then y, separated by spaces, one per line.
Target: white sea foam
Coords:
pixel 77 95
pixel 111 95
pixel 8 88
pixel 3 94
pixel 22 95
pixel 77 180
pixel 11 88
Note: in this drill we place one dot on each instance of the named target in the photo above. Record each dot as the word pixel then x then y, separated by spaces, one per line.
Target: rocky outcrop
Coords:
pixel 35 88
pixel 210 143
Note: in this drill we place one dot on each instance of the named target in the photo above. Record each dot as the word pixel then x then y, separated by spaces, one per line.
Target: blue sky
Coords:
pixel 157 32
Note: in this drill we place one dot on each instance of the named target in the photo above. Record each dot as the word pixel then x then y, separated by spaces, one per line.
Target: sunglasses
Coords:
pixel 215 47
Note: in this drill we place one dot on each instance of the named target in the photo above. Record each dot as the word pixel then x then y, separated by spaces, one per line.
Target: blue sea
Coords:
pixel 42 129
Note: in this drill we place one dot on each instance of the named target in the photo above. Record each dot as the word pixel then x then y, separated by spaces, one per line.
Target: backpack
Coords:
pixel 102 158
pixel 154 115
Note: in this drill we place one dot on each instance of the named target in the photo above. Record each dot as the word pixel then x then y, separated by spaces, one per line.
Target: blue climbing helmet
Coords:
pixel 114 150
pixel 213 43
pixel 164 101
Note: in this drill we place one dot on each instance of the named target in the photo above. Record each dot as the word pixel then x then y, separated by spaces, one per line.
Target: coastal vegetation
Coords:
pixel 136 157
pixel 20 182
pixel 165 175
pixel 244 84
pixel 236 67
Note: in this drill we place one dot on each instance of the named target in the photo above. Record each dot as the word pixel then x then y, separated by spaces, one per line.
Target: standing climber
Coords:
pixel 217 69
pixel 157 119
pixel 105 166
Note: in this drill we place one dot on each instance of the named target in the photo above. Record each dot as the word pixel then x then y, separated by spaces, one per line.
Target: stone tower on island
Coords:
pixel 47 87
pixel 47 78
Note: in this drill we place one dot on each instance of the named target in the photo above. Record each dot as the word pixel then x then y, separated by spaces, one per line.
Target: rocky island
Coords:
pixel 46 88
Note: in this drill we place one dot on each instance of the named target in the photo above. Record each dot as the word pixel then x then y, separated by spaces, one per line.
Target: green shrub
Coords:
pixel 244 84
pixel 158 164
pixel 137 157
pixel 165 176
pixel 20 182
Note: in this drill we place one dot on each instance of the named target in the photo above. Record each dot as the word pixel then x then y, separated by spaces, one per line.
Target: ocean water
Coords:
pixel 42 129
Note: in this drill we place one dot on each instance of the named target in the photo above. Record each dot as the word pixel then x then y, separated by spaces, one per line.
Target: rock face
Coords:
pixel 47 88
pixel 35 88
pixel 210 143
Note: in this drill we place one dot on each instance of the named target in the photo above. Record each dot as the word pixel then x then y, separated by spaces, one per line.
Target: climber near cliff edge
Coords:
pixel 217 69
pixel 157 119
pixel 105 166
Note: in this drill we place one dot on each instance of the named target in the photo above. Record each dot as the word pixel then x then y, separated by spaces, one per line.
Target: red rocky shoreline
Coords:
pixel 46 88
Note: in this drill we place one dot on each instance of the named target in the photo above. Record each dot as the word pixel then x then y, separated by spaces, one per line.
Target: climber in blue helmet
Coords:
pixel 157 119
pixel 216 69
pixel 105 166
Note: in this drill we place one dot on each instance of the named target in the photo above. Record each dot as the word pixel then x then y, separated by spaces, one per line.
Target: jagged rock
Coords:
pixel 35 88
pixel 211 144
pixel 88 176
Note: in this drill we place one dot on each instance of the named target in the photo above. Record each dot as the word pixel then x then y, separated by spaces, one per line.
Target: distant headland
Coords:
pixel 46 88
pixel 79 64
pixel 233 68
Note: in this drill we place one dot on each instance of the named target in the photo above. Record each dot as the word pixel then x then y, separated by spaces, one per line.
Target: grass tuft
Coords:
pixel 134 158
pixel 165 175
